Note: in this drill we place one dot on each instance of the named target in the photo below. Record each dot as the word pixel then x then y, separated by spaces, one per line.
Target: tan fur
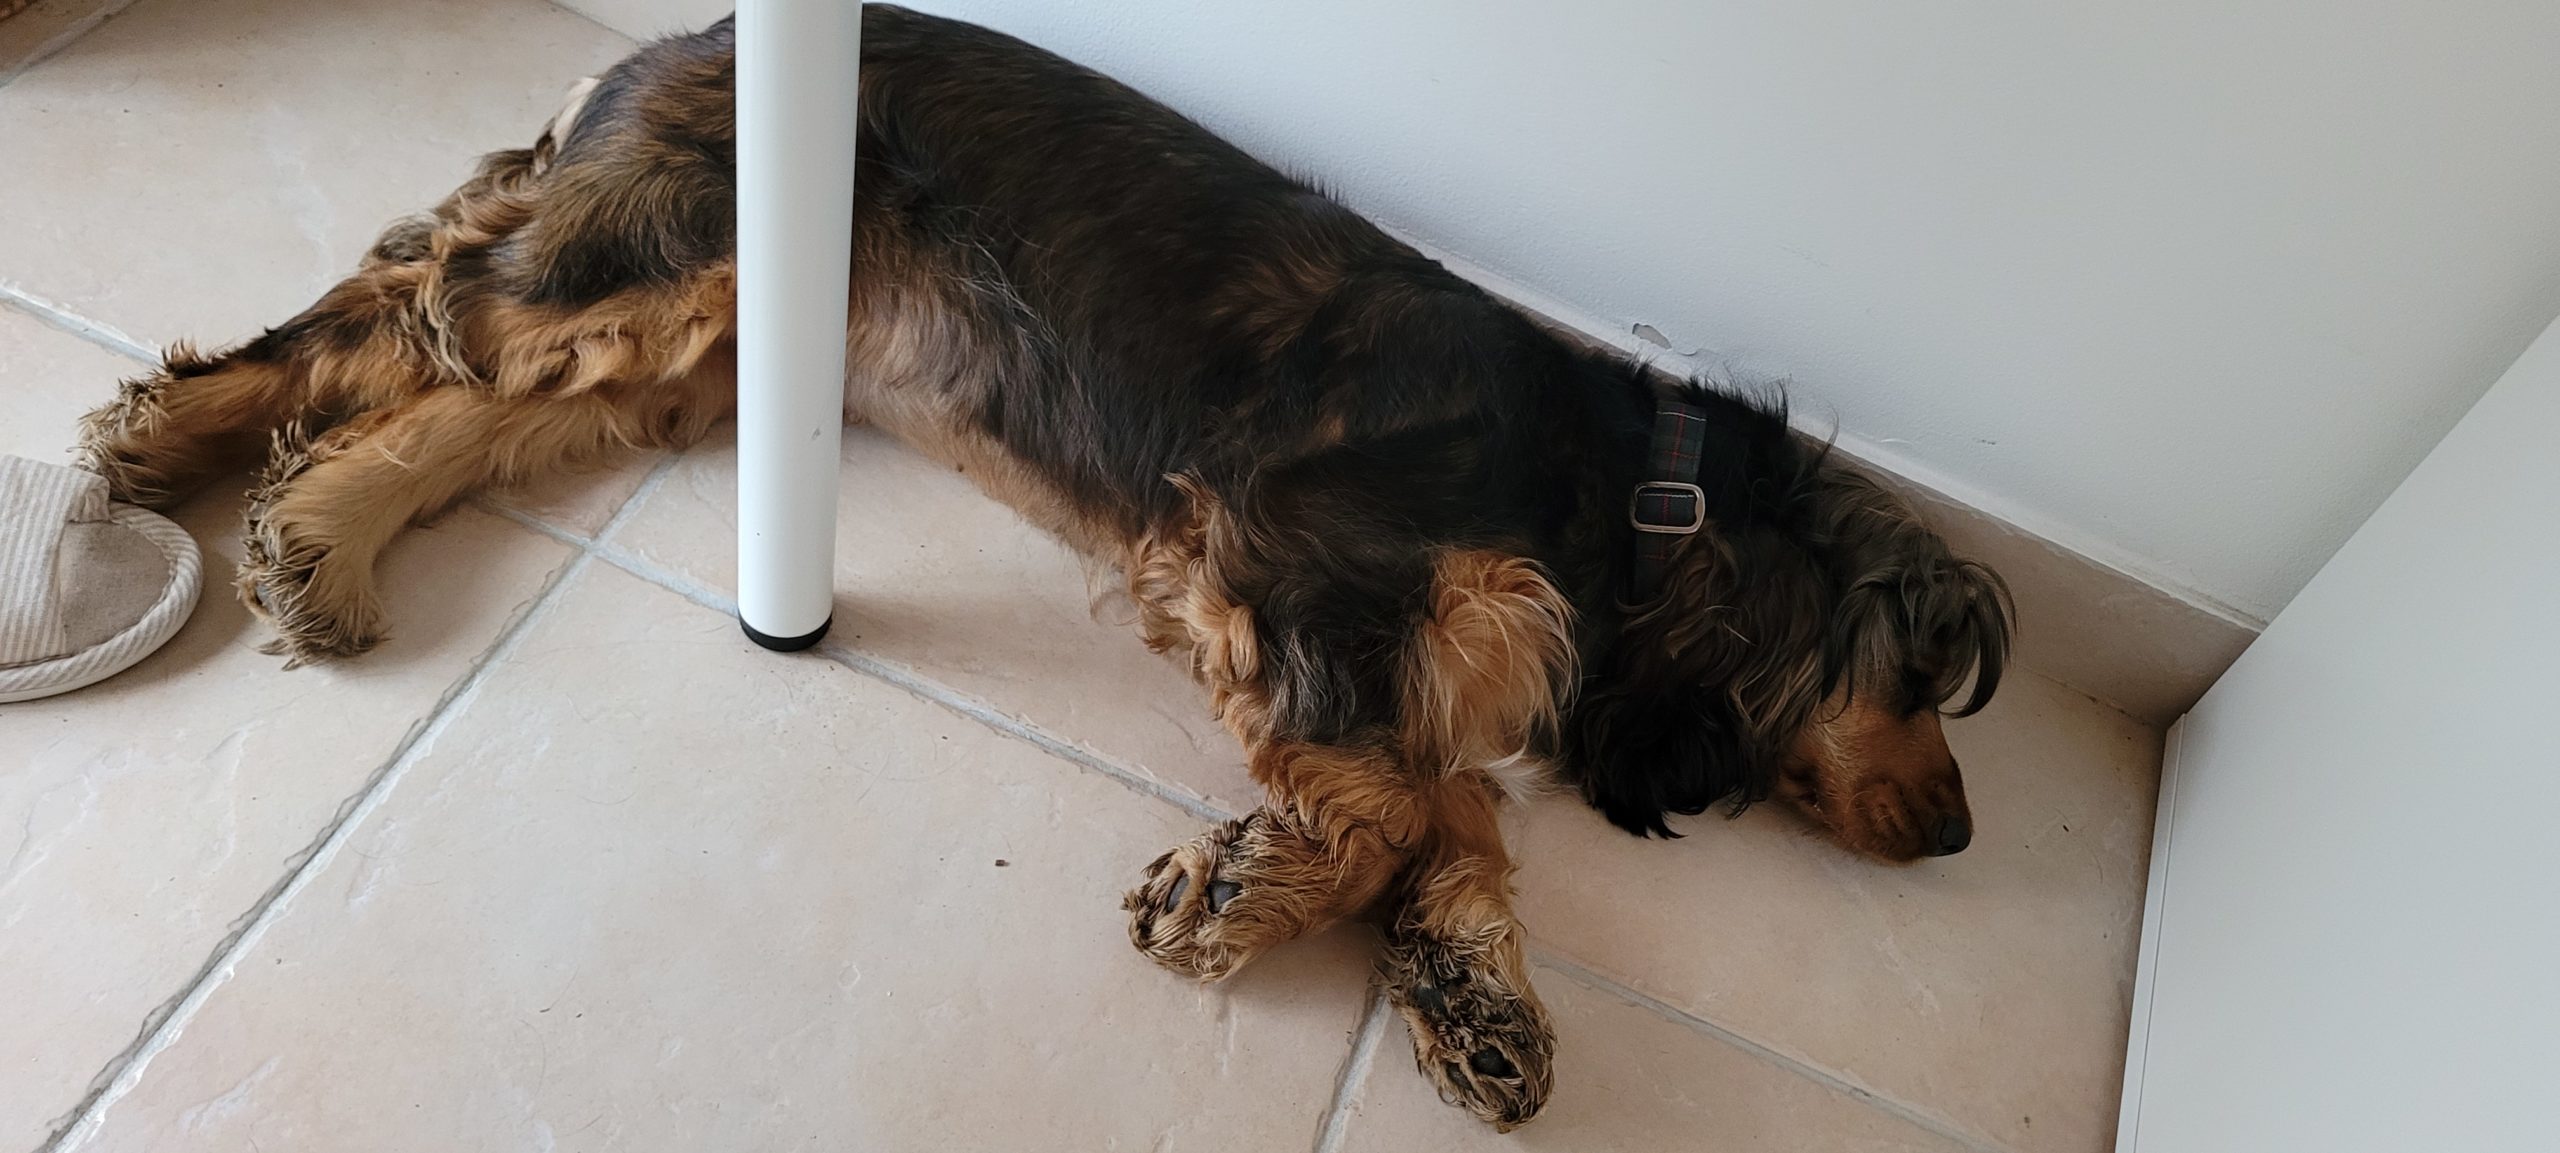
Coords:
pixel 218 420
pixel 1334 835
pixel 442 396
pixel 1484 670
pixel 1874 778
pixel 327 509
pixel 1457 970
pixel 1488 669
pixel 1177 579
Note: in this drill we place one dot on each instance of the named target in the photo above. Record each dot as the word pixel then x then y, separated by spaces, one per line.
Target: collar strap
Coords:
pixel 1667 505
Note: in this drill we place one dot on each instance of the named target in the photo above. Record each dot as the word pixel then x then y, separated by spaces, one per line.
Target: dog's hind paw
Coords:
pixel 319 604
pixel 127 441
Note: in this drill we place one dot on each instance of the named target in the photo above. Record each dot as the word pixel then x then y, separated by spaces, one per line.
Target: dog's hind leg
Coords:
pixel 200 417
pixel 641 370
pixel 328 504
pixel 364 344
pixel 194 419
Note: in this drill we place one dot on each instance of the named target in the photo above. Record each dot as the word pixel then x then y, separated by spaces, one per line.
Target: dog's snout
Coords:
pixel 1951 836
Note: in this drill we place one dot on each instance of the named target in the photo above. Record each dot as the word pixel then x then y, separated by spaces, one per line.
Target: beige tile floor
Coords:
pixel 568 865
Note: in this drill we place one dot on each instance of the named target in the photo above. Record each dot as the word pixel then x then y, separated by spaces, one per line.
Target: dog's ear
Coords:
pixel 1642 754
pixel 1973 623
pixel 1939 622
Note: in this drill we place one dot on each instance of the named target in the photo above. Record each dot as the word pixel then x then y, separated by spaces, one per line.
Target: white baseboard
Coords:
pixel 2094 621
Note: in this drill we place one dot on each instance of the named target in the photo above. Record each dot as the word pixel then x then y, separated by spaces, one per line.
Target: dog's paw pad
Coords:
pixel 1218 900
pixel 1478 1031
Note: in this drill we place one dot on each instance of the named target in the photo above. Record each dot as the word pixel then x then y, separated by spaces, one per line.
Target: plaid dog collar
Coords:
pixel 1667 504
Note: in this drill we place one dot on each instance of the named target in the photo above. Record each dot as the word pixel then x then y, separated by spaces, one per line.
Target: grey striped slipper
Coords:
pixel 87 586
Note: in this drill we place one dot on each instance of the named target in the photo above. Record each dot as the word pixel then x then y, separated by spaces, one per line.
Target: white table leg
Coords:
pixel 797 62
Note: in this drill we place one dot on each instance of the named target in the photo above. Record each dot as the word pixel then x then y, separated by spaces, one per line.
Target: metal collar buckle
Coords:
pixel 1664 490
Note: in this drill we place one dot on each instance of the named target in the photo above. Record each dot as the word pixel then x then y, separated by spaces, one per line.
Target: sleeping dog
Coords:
pixel 1421 550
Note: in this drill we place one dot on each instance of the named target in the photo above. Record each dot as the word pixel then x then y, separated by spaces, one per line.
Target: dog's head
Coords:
pixel 1805 645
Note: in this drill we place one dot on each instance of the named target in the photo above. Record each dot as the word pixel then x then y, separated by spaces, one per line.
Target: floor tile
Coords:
pixel 204 168
pixel 1990 988
pixel 655 889
pixel 42 25
pixel 139 817
pixel 1630 1080
pixel 932 574
pixel 580 503
pixel 48 378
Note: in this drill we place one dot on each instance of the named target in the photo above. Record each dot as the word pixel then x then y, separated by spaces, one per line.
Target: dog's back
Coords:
pixel 1140 298
pixel 1131 329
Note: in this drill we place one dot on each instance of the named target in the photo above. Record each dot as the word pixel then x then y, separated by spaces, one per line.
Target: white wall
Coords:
pixel 2187 285
pixel 2356 921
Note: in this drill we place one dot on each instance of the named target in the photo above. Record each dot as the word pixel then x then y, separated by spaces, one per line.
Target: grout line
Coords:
pixel 61 40
pixel 908 680
pixel 674 582
pixel 536 524
pixel 927 689
pixel 1336 1125
pixel 164 1026
pixel 100 333
pixel 629 507
pixel 640 494
pixel 1581 975
pixel 931 691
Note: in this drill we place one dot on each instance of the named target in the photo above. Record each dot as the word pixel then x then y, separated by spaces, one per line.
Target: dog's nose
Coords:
pixel 1954 833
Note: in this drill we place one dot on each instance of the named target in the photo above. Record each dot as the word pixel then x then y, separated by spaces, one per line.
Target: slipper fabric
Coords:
pixel 87 586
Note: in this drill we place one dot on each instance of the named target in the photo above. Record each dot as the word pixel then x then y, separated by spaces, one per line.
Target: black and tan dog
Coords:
pixel 1418 548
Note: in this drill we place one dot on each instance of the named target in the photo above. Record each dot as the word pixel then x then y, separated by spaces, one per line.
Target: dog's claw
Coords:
pixel 1220 899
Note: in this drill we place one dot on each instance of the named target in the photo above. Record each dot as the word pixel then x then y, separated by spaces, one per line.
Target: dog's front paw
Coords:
pixel 1479 1032
pixel 1220 899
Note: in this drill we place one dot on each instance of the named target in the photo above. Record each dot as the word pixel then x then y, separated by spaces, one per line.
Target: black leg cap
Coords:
pixel 786 644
